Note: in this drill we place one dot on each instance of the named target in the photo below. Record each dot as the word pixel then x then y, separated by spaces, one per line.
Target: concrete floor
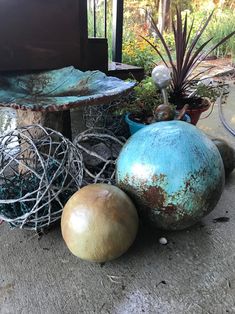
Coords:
pixel 194 273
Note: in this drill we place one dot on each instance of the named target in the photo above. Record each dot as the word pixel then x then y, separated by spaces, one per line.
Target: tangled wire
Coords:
pixel 100 149
pixel 39 170
pixel 108 117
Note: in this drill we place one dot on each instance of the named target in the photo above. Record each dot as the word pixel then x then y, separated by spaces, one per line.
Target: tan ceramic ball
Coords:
pixel 99 223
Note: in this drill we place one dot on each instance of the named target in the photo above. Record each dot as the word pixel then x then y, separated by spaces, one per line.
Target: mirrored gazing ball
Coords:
pixel 161 76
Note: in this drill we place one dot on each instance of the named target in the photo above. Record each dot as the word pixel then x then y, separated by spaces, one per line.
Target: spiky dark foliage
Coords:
pixel 188 54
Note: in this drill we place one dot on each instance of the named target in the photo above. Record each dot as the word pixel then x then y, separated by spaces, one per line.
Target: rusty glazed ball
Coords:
pixel 99 223
pixel 173 172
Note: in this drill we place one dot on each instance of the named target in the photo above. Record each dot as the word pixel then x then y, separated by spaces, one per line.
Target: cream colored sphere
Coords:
pixel 99 223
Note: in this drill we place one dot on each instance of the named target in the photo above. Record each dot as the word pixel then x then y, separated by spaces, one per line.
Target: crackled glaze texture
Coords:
pixel 61 89
pixel 174 173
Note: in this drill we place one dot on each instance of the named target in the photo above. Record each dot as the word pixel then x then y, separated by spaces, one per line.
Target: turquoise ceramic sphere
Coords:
pixel 173 172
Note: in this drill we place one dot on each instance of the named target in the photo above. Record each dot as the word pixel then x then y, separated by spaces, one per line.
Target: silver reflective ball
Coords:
pixel 161 76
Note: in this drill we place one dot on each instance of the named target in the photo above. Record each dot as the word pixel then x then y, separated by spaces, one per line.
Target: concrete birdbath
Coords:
pixel 46 97
pixel 43 166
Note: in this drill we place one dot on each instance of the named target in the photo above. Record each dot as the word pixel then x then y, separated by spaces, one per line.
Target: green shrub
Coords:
pixel 144 99
pixel 219 27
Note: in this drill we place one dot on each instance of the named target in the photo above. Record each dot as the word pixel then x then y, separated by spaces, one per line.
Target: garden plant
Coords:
pixel 186 87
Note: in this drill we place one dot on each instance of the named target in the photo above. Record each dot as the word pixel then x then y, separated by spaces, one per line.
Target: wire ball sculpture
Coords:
pixel 39 170
pixel 107 116
pixel 100 149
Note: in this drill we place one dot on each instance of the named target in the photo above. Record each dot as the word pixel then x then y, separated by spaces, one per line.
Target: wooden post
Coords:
pixel 117 30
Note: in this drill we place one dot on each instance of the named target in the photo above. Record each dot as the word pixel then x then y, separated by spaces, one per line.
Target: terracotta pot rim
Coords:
pixel 207 104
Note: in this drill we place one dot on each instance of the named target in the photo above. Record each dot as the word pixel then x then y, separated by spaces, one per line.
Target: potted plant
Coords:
pixel 184 88
pixel 141 105
pixel 144 106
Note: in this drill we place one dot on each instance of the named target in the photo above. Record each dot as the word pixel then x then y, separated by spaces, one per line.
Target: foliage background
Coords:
pixel 136 22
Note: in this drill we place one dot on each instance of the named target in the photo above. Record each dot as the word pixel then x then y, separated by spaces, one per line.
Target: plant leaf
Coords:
pixel 182 44
pixel 202 58
pixel 221 42
pixel 189 81
pixel 192 63
pixel 195 40
pixel 189 33
pixel 167 50
pixel 155 48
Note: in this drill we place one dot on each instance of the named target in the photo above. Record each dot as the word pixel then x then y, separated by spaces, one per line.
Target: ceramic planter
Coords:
pixel 136 126
pixel 196 113
pixel 133 126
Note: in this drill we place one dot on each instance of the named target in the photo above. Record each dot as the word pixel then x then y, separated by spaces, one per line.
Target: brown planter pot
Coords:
pixel 196 113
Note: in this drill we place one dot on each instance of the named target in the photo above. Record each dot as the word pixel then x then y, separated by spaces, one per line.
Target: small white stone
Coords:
pixel 163 241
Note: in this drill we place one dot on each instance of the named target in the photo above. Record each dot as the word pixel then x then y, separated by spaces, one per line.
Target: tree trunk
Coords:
pixel 164 15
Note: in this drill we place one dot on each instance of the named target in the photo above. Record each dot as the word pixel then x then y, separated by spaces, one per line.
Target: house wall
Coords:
pixel 43 34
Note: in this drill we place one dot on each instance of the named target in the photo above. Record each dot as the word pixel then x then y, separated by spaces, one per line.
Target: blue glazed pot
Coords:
pixel 173 172
pixel 135 126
